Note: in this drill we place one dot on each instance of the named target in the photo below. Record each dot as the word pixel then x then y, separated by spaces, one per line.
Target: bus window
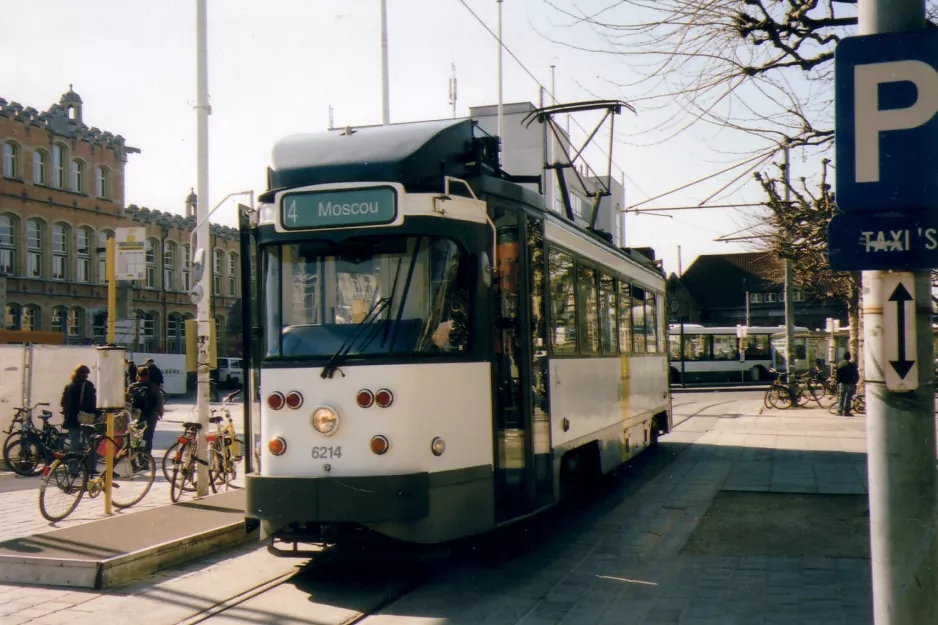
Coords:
pixel 638 320
pixel 674 347
pixel 724 347
pixel 697 347
pixel 562 303
pixel 588 307
pixel 651 323
pixel 758 347
pixel 625 318
pixel 607 313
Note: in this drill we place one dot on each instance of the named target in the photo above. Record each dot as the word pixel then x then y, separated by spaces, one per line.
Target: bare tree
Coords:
pixel 798 231
pixel 759 66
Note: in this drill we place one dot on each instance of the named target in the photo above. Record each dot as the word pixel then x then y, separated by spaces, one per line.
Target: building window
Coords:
pixel 103 183
pixel 58 166
pixel 770 298
pixel 218 262
pixel 76 326
pixel 40 168
pixel 11 160
pixel 798 296
pixel 185 268
pixel 169 266
pixel 99 327
pixel 78 176
pixel 148 330
pixel 103 236
pixel 755 298
pixel 233 274
pixel 59 315
pixel 219 336
pixel 31 318
pixel 83 254
pixel 59 251
pixel 34 248
pixel 7 245
pixel 152 245
pixel 173 334
pixel 13 317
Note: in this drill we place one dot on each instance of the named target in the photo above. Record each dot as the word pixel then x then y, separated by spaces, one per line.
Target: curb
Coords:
pixel 107 572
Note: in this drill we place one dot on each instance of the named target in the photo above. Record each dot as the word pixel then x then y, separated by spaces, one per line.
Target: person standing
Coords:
pixel 156 374
pixel 847 377
pixel 79 395
pixel 145 397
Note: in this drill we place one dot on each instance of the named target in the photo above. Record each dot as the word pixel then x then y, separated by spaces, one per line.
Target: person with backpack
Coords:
pixel 847 377
pixel 144 396
pixel 79 397
pixel 156 374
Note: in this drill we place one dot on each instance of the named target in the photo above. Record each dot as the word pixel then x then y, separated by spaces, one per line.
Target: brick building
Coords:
pixel 61 197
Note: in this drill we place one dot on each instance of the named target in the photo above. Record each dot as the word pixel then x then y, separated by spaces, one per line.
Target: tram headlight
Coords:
pixel 438 446
pixel 325 420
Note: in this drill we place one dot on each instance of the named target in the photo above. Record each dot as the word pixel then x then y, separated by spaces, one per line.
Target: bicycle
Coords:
pixel 184 459
pixel 857 404
pixel 226 450
pixel 822 390
pixel 26 449
pixel 779 395
pixel 68 473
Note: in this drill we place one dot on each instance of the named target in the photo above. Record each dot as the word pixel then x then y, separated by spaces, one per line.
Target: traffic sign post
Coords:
pixel 886 144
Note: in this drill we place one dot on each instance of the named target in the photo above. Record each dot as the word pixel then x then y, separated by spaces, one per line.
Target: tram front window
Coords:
pixel 412 293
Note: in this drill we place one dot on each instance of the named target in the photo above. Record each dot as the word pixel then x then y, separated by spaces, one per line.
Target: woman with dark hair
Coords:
pixel 79 396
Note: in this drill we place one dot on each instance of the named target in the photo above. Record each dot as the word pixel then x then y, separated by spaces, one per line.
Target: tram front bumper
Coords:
pixel 371 499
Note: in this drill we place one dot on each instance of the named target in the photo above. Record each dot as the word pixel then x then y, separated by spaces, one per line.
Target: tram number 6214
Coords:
pixel 327 452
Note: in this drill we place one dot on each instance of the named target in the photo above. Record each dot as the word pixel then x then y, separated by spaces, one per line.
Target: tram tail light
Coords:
pixel 294 400
pixel 365 398
pixel 380 444
pixel 275 400
pixel 277 446
pixel 384 398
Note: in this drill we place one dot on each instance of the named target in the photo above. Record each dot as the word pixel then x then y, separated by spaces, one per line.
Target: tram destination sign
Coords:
pixel 340 208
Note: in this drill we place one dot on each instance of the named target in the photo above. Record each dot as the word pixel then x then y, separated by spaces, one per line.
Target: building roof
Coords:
pixel 719 280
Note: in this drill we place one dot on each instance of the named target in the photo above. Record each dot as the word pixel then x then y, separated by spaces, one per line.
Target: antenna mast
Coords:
pixel 331 121
pixel 452 90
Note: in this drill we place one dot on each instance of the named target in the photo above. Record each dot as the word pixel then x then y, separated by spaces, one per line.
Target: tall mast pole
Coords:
pixel 501 139
pixel 202 234
pixel 385 84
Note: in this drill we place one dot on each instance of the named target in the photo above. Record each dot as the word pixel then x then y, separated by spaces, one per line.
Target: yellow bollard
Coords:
pixel 108 461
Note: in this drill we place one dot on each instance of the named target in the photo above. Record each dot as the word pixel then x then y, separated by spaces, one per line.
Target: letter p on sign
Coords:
pixel 886 130
pixel 870 120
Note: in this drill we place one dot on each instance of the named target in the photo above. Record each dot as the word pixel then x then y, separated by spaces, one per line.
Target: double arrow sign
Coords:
pixel 899 326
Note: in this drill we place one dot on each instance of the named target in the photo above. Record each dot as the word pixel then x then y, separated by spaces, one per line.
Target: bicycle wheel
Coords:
pixel 22 456
pixel 771 397
pixel 859 404
pixel 218 475
pixel 135 474
pixel 835 405
pixel 168 461
pixel 183 470
pixel 63 485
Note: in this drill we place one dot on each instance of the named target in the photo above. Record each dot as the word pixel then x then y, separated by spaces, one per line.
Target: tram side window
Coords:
pixel 638 320
pixel 607 313
pixel 562 302
pixel 625 318
pixel 651 323
pixel 588 307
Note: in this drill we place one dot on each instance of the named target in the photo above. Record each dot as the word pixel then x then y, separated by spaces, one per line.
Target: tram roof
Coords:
pixel 414 154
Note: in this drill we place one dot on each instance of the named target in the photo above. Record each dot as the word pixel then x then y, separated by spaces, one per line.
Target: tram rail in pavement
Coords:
pixel 114 550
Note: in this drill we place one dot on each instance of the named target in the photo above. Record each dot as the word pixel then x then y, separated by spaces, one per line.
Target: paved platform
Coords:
pixel 113 550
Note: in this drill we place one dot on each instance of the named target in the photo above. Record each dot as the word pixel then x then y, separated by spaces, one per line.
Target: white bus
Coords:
pixel 715 354
pixel 437 354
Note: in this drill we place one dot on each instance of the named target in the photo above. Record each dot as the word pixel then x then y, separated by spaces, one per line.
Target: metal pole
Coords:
pixel 109 268
pixel 202 236
pixel 900 425
pixel 385 84
pixel 789 296
pixel 683 384
pixel 247 380
pixel 501 139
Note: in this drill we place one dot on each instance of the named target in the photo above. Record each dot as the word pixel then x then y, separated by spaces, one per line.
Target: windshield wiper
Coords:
pixel 329 370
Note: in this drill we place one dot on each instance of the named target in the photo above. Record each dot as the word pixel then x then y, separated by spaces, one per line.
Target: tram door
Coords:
pixel 523 478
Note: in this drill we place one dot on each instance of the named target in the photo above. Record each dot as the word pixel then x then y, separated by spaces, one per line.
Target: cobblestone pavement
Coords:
pixel 627 561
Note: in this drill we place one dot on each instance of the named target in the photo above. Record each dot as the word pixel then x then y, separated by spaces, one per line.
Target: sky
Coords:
pixel 275 68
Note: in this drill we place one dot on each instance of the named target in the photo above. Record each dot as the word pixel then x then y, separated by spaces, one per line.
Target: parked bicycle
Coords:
pixel 184 459
pixel 28 447
pixel 857 404
pixel 66 480
pixel 226 450
pixel 234 443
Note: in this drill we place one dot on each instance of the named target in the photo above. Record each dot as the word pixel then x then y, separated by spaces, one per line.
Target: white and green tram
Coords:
pixel 437 354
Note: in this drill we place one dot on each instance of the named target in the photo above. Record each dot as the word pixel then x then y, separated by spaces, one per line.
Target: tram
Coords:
pixel 437 354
